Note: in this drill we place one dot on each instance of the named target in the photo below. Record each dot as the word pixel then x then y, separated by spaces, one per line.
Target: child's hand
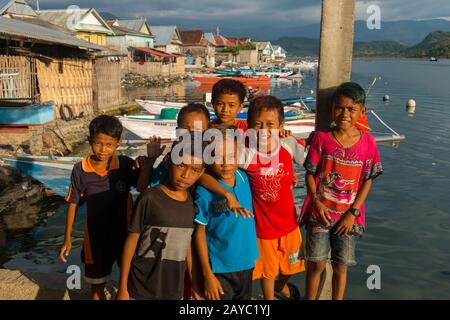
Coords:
pixel 285 133
pixel 123 294
pixel 321 214
pixel 345 224
pixel 154 149
pixel 65 250
pixel 140 162
pixel 234 205
pixel 213 288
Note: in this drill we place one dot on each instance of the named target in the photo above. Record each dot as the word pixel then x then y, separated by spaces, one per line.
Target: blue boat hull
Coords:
pixel 33 114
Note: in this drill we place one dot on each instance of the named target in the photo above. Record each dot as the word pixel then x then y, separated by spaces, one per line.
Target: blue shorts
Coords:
pixel 320 241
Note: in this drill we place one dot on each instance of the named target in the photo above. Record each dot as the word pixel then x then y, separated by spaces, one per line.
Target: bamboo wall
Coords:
pixel 67 81
pixel 21 81
pixel 107 84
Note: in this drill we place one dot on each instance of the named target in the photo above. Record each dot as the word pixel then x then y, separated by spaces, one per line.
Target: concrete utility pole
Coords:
pixel 335 58
pixel 335 63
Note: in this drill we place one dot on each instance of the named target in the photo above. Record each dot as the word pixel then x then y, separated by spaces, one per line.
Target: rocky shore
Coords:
pixel 134 80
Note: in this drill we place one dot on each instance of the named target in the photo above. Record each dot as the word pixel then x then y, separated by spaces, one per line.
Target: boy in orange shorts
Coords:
pixel 269 167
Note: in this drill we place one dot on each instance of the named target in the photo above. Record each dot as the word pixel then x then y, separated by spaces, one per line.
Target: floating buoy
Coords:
pixel 385 98
pixel 411 106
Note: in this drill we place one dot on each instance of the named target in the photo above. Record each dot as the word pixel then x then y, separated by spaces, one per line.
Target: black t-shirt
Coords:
pixel 109 206
pixel 158 266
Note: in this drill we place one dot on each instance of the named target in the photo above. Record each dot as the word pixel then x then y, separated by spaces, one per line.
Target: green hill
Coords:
pixel 436 44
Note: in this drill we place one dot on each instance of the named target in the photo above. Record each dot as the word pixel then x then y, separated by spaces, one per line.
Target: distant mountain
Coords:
pixel 409 32
pixel 299 46
pixel 436 44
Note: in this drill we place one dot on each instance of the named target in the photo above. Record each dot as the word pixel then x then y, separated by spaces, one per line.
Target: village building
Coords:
pixel 125 38
pixel 279 54
pixel 265 52
pixel 90 27
pixel 197 49
pixel 168 39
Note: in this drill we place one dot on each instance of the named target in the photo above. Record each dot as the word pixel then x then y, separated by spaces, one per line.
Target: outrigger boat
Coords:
pixel 53 172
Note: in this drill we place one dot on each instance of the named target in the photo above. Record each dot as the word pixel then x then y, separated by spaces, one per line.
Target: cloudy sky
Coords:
pixel 250 13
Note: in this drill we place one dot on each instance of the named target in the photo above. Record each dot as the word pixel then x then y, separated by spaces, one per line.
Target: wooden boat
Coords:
pixel 300 123
pixel 250 81
pixel 53 172
pixel 19 114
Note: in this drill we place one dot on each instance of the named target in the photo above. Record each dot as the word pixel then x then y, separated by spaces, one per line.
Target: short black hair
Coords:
pixel 264 103
pixel 351 90
pixel 108 125
pixel 192 107
pixel 228 86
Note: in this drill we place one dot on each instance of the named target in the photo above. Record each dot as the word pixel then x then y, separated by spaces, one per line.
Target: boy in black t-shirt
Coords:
pixel 102 180
pixel 159 237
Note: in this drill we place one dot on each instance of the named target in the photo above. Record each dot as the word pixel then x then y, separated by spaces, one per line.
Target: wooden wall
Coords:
pixel 107 84
pixel 66 81
pixel 17 77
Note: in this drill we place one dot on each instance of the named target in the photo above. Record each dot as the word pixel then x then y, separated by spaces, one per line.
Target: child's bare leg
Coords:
pixel 268 288
pixel 98 291
pixel 281 287
pixel 313 273
pixel 339 280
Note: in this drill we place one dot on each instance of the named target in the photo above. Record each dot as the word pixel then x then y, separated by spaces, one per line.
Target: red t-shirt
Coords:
pixel 271 179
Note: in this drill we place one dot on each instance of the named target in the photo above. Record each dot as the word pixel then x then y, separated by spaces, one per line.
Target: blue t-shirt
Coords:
pixel 231 240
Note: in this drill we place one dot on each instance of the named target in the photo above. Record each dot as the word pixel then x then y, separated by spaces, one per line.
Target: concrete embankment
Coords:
pixel 17 285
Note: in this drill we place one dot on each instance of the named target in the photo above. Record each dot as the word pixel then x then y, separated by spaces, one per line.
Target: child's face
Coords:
pixel 346 112
pixel 104 146
pixel 227 107
pixel 194 118
pixel 185 174
pixel 227 164
pixel 267 125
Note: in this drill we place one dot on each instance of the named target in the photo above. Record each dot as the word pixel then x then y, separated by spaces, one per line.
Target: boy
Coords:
pixel 340 167
pixel 225 244
pixel 103 181
pixel 228 98
pixel 269 167
pixel 154 256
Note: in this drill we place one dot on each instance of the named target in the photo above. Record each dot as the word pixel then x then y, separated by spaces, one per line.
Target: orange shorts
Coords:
pixel 283 255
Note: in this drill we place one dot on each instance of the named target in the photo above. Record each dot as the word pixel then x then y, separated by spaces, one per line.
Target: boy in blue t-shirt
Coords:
pixel 226 243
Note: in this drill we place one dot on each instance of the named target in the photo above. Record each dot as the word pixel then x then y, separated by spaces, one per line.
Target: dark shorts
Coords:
pixel 236 285
pixel 320 241
pixel 100 271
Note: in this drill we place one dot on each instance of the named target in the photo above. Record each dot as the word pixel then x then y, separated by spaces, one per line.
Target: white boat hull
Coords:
pixel 166 129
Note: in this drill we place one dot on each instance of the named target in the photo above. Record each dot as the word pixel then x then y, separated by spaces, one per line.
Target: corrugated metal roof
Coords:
pixel 163 34
pixel 132 24
pixel 62 17
pixel 21 29
pixel 16 7
pixel 121 31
